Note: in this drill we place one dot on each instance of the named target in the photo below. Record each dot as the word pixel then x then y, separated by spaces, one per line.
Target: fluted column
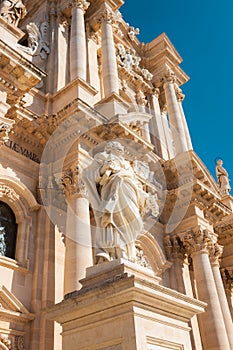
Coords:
pixel 215 254
pixel 78 242
pixel 109 63
pixel 212 325
pixel 78 54
pixel 174 115
pixel 180 98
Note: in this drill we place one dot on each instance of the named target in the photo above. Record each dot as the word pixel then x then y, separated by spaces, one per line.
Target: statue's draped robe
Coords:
pixel 116 199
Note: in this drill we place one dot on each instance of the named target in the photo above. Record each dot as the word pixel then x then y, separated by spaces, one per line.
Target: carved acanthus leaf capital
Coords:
pixel 108 16
pixel 179 94
pixel 82 4
pixel 169 77
pixel 72 183
pixel 215 253
pixel 156 92
pixel 197 240
pixel 174 248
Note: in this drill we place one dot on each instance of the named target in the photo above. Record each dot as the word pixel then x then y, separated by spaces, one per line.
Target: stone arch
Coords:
pixel 23 203
pixel 153 253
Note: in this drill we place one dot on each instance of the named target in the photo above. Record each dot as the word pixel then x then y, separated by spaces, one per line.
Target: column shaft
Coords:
pixel 212 324
pixel 186 129
pixel 78 243
pixel 109 64
pixel 175 119
pixel 78 59
pixel 223 303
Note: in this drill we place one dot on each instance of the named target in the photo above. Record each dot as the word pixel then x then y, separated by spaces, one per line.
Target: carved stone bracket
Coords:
pixel 197 240
pixel 174 248
pixel 72 183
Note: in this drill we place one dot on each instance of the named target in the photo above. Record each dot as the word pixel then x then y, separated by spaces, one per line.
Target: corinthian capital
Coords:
pixel 72 183
pixel 82 4
pixel 197 240
pixel 108 16
pixel 215 253
pixel 179 94
pixel 169 77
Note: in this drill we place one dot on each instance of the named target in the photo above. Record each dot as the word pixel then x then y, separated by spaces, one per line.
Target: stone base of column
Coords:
pixel 122 306
pixel 112 105
pixel 78 88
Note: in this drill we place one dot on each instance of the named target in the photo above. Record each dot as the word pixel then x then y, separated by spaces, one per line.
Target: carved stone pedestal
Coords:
pixel 122 306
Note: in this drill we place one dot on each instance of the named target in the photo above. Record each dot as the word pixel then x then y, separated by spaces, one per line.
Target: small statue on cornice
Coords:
pixel 13 11
pixel 133 32
pixel 223 178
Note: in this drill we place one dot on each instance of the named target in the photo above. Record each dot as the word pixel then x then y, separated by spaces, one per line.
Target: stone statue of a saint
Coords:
pixel 117 200
pixel 223 178
pixel 13 11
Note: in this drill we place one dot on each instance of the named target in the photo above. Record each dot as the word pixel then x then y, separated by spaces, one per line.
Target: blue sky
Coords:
pixel 202 32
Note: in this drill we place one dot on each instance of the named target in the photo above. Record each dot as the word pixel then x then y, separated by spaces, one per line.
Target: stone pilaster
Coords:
pixel 158 136
pixel 227 277
pixel 78 54
pixel 180 279
pixel 215 252
pixel 180 97
pixel 78 231
pixel 6 124
pixel 175 118
pixel 109 62
pixel 212 325
pixel 142 103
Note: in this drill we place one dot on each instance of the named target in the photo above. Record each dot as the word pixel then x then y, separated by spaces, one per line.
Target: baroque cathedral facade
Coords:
pixel 113 234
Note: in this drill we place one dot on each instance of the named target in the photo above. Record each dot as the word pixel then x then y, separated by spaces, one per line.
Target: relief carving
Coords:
pixel 13 11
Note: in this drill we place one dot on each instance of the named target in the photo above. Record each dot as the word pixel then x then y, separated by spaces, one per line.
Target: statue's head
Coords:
pixel 114 147
pixel 219 162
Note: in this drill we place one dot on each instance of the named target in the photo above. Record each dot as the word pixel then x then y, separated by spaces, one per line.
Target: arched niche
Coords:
pixel 153 253
pixel 22 202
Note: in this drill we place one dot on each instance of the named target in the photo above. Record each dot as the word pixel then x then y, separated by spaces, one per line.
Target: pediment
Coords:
pixel 10 306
